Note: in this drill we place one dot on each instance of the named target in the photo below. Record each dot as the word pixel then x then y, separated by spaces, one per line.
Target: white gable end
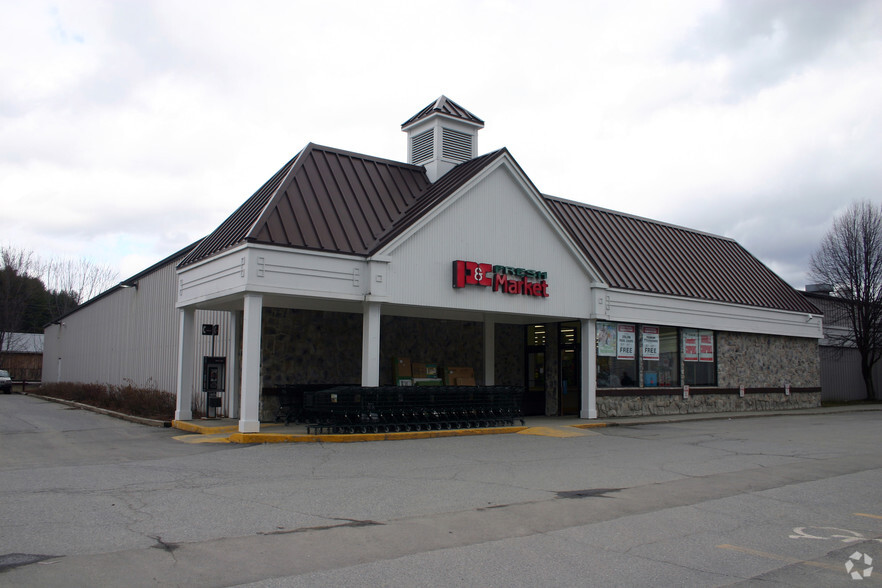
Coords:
pixel 496 221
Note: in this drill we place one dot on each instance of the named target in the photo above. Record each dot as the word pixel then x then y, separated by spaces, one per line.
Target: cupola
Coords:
pixel 441 136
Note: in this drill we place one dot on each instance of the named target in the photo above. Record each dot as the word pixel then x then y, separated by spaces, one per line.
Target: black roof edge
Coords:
pixel 182 252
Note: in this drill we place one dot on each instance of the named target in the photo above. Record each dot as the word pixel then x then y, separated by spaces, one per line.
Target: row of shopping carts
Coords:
pixel 356 409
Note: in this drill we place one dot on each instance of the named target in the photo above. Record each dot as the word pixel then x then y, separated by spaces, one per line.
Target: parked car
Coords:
pixel 5 382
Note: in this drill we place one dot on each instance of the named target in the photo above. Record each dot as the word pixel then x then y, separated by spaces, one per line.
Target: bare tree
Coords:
pixel 850 259
pixel 19 274
pixel 34 292
pixel 74 281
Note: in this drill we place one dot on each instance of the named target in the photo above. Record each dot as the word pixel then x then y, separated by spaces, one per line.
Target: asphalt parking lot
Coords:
pixel 88 500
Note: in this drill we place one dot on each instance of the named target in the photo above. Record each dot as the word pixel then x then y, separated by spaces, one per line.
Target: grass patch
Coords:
pixel 137 401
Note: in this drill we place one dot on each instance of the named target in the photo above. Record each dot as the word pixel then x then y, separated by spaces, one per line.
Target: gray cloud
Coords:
pixel 764 42
pixel 133 126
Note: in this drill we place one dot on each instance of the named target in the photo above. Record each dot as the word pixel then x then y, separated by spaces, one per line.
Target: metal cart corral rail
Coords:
pixel 292 407
pixel 383 409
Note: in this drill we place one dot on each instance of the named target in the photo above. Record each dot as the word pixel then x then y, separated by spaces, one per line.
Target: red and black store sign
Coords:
pixel 502 278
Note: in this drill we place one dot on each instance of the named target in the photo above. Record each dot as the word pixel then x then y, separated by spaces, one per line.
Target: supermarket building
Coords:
pixel 344 267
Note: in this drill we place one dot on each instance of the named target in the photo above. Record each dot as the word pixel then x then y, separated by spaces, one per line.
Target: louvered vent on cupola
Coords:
pixel 422 146
pixel 456 145
pixel 441 136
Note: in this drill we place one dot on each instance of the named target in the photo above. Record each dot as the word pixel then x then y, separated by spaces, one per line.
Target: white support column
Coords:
pixel 234 384
pixel 186 357
pixel 489 351
pixel 589 369
pixel 249 420
pixel 370 345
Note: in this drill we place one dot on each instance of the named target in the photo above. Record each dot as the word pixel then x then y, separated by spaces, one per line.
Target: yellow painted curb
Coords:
pixel 559 432
pixel 194 439
pixel 360 437
pixel 590 426
pixel 192 427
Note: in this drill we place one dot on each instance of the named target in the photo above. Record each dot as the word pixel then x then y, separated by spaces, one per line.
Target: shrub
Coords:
pixel 146 402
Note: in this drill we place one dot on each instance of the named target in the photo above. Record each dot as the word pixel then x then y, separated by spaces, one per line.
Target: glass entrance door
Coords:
pixel 570 380
pixel 570 368
pixel 534 397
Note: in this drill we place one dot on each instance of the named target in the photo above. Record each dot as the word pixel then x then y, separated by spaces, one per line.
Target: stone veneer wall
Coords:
pixel 307 347
pixel 767 361
pixel 763 364
pixel 310 347
pixel 511 348
pixel 316 347
pixel 661 404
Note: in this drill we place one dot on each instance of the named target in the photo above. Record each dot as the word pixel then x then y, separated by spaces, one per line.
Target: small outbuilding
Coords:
pixel 22 356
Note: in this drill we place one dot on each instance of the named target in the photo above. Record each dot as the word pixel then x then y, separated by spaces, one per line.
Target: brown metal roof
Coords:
pixel 323 199
pixel 444 105
pixel 234 229
pixel 437 192
pixel 341 202
pixel 638 254
pixel 337 201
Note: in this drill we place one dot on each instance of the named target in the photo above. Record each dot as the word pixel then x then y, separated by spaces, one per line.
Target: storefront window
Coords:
pixel 699 358
pixel 660 353
pixel 659 356
pixel 569 334
pixel 616 355
pixel 536 335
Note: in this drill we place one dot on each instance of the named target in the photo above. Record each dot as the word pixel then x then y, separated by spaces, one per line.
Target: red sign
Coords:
pixel 505 279
pixel 690 345
pixel 706 345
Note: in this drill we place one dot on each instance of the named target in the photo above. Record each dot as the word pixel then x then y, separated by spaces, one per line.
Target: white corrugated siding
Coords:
pixel 131 336
pixel 496 222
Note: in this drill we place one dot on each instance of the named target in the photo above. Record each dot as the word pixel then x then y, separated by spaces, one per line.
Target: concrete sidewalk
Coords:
pixel 226 430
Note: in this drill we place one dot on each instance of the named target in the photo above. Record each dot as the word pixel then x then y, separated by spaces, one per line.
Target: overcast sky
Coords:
pixel 130 129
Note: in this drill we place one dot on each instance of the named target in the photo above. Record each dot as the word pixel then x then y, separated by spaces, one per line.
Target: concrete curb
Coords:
pixel 695 417
pixel 104 411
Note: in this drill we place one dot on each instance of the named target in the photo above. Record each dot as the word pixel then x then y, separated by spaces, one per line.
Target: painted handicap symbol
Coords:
pixel 827 533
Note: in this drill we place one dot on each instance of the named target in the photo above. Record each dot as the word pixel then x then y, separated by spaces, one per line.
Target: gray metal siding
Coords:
pixel 130 336
pixel 841 375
